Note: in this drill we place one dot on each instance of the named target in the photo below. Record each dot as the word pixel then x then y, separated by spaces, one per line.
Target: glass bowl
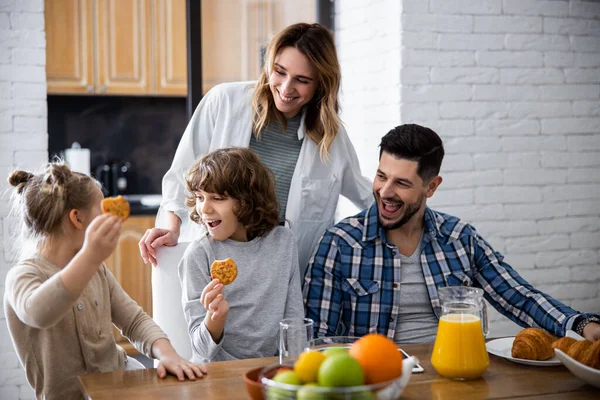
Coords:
pixel 380 391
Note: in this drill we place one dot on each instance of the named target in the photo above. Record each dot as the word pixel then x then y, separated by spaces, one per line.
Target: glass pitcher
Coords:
pixel 459 351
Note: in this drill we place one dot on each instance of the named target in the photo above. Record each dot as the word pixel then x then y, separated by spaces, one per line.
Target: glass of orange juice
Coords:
pixel 459 351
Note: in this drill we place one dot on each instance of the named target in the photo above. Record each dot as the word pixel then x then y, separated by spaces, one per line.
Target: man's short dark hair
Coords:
pixel 415 143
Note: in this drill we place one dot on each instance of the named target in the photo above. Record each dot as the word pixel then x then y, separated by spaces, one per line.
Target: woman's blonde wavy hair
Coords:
pixel 322 121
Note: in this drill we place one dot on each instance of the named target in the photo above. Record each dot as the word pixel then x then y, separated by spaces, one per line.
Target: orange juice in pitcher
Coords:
pixel 459 351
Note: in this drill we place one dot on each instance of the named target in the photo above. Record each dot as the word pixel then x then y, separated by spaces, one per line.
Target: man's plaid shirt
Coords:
pixel 352 286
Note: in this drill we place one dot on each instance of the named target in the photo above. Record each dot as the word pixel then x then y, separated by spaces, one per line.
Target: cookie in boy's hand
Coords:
pixel 224 270
pixel 117 206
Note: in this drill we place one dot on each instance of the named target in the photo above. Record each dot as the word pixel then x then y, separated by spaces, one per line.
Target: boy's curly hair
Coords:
pixel 238 173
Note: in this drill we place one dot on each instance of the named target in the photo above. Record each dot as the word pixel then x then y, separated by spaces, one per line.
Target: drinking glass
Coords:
pixel 295 336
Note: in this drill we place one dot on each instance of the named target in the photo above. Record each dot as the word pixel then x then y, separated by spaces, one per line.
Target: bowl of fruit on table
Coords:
pixel 341 368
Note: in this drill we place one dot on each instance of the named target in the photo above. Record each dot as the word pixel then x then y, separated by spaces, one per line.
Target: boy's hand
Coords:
pixel 101 237
pixel 214 302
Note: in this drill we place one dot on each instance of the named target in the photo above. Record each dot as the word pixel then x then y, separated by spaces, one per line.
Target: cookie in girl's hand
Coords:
pixel 224 270
pixel 117 206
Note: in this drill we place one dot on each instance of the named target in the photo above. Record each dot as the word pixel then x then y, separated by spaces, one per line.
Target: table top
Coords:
pixel 503 380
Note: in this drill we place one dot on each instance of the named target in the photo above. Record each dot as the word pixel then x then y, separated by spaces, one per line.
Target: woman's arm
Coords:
pixel 173 210
pixel 355 187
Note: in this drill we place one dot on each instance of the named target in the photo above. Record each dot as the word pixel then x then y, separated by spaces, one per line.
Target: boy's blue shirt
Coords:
pixel 352 286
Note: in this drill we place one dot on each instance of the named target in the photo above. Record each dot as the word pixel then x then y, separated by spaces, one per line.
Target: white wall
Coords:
pixel 23 142
pixel 513 88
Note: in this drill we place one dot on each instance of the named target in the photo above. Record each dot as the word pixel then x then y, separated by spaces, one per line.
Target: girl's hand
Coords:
pixel 101 237
pixel 179 367
pixel 213 300
pixel 153 239
pixel 170 361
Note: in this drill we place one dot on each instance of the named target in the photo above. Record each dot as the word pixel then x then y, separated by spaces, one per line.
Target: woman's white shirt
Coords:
pixel 224 119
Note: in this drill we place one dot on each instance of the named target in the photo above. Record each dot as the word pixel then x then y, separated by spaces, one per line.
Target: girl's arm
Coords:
pixel 101 239
pixel 41 302
pixel 130 318
pixel 37 301
pixel 146 335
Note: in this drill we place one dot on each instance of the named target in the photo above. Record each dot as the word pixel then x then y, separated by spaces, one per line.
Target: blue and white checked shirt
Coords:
pixel 352 286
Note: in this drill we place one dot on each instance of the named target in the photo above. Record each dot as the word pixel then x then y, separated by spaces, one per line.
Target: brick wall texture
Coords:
pixel 23 143
pixel 513 89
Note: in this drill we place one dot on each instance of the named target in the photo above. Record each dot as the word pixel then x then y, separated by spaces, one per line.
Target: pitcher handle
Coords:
pixel 484 319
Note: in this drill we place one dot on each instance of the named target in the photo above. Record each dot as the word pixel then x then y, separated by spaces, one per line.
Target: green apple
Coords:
pixel 335 350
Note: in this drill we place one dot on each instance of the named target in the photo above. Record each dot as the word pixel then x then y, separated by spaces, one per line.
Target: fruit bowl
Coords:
pixel 391 389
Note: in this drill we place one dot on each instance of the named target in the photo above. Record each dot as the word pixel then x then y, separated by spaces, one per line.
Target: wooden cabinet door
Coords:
pixel 128 267
pixel 123 51
pixel 69 46
pixel 170 52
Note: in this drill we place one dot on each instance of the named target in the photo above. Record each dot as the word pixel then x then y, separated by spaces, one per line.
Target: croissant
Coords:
pixel 591 357
pixel 563 344
pixel 577 350
pixel 533 344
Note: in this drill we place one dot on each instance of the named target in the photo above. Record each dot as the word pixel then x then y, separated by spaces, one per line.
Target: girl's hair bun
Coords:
pixel 19 179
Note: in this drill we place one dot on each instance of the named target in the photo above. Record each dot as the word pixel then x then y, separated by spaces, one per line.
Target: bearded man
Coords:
pixel 380 270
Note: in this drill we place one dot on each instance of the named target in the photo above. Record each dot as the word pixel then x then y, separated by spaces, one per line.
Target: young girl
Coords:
pixel 233 195
pixel 61 303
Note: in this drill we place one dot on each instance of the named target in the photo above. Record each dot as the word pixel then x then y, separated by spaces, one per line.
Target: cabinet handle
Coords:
pixel 89 88
pixel 102 88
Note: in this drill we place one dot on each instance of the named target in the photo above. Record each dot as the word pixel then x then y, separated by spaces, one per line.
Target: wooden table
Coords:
pixel 503 380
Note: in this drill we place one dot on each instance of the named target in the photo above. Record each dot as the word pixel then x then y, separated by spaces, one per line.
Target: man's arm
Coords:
pixel 514 297
pixel 322 290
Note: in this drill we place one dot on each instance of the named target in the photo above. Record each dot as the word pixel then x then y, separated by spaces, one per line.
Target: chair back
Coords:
pixel 167 310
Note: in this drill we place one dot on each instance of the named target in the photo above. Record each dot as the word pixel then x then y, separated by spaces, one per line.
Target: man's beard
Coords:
pixel 409 211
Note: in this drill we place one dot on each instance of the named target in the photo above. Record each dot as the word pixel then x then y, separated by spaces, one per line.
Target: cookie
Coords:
pixel 117 206
pixel 223 270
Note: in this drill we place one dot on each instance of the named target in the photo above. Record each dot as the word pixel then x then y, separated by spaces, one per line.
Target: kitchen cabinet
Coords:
pixel 69 46
pixel 116 47
pixel 127 266
pixel 170 61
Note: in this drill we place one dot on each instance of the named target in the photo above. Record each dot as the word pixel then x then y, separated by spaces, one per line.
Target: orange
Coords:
pixel 378 357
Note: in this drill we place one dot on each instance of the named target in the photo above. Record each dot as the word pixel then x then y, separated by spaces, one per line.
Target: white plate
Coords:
pixel 582 371
pixel 503 348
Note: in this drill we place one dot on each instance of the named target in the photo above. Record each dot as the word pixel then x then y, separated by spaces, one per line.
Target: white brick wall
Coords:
pixel 23 142
pixel 513 88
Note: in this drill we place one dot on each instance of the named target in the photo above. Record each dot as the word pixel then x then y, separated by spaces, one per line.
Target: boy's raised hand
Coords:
pixel 101 237
pixel 214 302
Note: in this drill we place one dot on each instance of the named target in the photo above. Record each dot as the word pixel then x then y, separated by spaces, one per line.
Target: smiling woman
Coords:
pixel 296 96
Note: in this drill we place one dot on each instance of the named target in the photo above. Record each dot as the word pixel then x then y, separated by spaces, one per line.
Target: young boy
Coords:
pixel 233 196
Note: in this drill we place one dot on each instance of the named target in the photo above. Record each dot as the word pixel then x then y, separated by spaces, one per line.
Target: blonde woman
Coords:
pixel 290 118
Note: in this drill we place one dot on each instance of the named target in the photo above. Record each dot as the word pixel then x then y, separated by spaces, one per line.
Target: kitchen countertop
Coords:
pixel 143 204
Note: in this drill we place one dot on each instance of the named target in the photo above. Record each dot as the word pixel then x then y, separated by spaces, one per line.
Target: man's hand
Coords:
pixel 592 331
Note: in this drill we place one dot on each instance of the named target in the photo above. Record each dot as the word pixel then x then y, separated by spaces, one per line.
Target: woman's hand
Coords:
pixel 170 361
pixel 101 238
pixel 153 239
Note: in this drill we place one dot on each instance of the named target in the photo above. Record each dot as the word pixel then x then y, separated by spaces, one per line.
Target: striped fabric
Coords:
pixel 279 150
pixel 353 281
